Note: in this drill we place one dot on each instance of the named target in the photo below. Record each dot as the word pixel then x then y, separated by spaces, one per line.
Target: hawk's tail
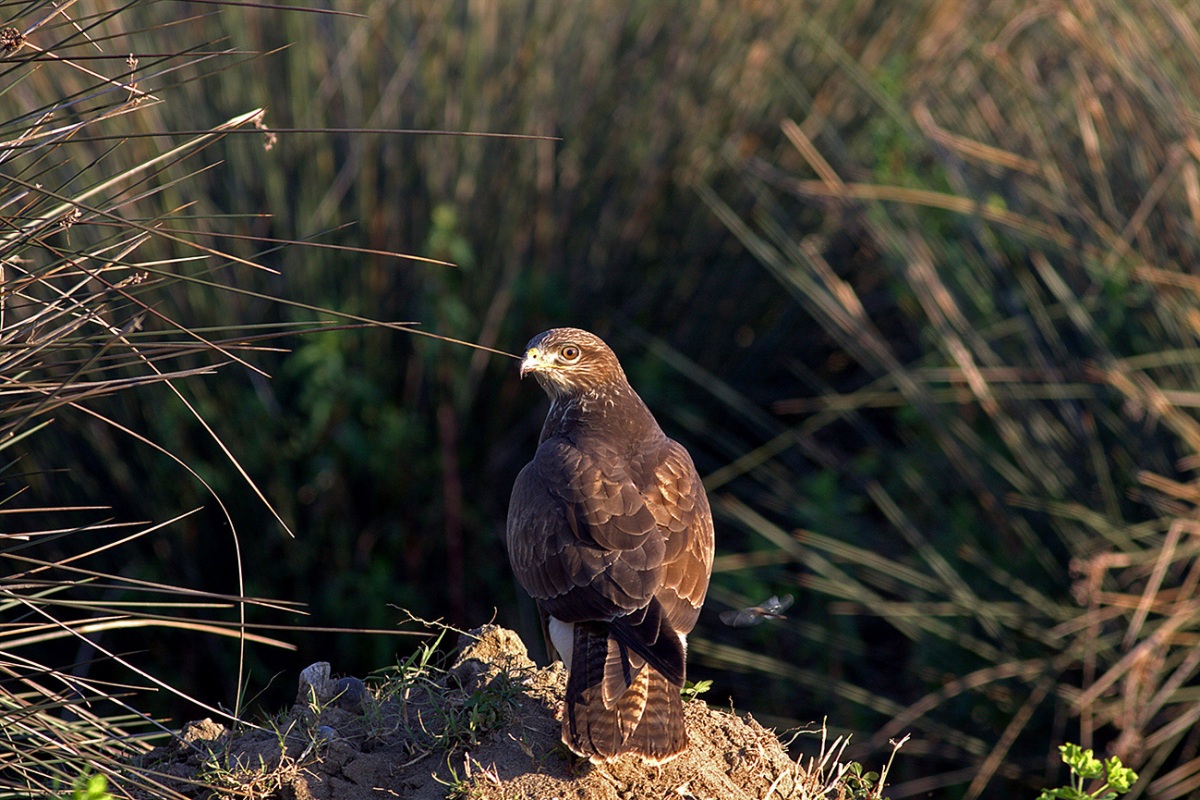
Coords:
pixel 617 703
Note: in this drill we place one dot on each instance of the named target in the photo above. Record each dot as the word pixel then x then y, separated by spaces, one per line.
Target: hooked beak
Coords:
pixel 531 362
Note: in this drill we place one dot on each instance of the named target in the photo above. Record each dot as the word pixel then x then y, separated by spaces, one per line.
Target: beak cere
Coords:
pixel 532 360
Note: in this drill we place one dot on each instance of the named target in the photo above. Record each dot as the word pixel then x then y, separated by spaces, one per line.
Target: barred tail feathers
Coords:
pixel 618 703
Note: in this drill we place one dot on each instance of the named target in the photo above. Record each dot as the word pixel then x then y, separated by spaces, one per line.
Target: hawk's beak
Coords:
pixel 531 362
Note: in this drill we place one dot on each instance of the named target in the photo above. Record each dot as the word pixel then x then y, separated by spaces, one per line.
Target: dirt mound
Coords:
pixel 485 728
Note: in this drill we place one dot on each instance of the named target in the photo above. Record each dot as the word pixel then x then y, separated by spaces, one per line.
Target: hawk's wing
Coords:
pixel 592 538
pixel 676 498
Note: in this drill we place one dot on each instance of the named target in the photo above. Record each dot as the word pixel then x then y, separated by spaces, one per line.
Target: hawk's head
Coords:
pixel 570 361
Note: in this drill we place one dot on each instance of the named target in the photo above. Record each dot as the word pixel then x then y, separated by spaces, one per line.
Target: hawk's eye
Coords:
pixel 570 354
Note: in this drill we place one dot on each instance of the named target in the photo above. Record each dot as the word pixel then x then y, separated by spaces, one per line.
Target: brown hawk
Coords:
pixel 610 531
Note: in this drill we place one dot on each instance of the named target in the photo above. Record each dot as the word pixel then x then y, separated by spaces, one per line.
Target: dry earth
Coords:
pixel 486 728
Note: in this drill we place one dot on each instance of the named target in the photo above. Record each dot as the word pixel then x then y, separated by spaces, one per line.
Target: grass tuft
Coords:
pixel 96 239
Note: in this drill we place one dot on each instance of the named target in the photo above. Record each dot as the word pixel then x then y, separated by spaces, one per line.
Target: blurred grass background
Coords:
pixel 914 283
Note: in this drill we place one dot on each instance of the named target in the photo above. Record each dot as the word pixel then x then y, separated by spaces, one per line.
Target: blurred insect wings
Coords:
pixel 773 608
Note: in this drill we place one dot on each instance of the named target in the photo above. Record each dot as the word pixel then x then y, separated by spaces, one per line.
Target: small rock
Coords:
pixel 349 694
pixel 202 731
pixel 300 788
pixel 486 651
pixel 315 683
pixel 325 733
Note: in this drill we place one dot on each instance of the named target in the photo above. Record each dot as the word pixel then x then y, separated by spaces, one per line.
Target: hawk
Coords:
pixel 610 531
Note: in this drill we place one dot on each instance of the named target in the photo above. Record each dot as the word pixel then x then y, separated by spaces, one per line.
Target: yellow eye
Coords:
pixel 570 353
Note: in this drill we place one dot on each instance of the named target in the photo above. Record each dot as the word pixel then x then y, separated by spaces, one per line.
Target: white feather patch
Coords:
pixel 562 635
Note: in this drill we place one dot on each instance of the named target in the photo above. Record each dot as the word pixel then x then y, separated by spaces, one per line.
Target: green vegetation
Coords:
pixel 913 282
pixel 860 784
pixel 1086 767
pixel 94 787
pixel 693 689
pixel 450 726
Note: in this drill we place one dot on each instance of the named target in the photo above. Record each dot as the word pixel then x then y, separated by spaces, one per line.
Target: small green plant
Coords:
pixel 91 787
pixel 691 690
pixel 859 784
pixel 485 710
pixel 828 775
pixel 1084 765
pixel 457 787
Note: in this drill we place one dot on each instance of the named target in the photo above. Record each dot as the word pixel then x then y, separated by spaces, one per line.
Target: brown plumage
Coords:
pixel 609 530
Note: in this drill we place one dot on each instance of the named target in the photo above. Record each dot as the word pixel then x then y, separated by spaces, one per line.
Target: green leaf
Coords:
pixel 1120 777
pixel 93 787
pixel 1065 793
pixel 1082 762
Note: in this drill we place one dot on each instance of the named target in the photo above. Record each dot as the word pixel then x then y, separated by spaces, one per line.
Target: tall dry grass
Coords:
pixel 1011 199
pixel 100 232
